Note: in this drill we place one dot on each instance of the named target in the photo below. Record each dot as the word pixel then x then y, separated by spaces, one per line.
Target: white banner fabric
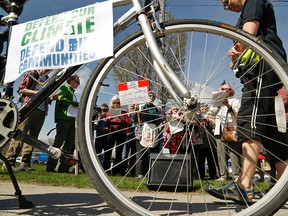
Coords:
pixel 71 38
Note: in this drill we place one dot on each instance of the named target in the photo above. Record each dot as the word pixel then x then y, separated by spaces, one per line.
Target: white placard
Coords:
pixel 71 38
pixel 134 92
pixel 72 111
pixel 175 123
pixel 115 112
pixel 218 98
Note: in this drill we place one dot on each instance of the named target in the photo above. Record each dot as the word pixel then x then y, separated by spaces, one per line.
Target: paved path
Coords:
pixel 49 200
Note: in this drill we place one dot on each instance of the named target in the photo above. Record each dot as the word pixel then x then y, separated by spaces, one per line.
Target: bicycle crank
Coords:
pixel 8 120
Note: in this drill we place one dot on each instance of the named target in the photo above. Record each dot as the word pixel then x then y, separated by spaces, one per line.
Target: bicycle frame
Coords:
pixel 162 68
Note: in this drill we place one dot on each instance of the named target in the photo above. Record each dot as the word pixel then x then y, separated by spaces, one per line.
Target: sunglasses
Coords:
pixel 104 110
pixel 116 102
pixel 225 4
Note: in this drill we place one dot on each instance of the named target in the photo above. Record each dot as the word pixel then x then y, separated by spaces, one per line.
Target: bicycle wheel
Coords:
pixel 197 51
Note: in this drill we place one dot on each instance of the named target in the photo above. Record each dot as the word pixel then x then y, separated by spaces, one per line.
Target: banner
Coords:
pixel 135 92
pixel 71 38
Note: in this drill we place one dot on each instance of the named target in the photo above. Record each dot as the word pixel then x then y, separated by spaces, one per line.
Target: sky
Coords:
pixel 202 9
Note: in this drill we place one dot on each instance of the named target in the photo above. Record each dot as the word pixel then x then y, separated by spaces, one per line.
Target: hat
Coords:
pixel 104 105
pixel 227 87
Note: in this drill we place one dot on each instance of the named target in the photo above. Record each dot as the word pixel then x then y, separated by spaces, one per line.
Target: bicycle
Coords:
pixel 180 39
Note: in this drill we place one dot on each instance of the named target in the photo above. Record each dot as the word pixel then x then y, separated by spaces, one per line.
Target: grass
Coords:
pixel 39 176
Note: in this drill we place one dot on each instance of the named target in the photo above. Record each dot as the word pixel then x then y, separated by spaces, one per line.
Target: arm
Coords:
pixel 250 27
pixel 63 97
pixel 28 92
pixel 233 106
pixel 126 121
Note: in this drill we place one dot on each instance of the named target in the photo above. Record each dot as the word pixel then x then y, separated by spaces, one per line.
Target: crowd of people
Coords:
pixel 129 133
pixel 142 129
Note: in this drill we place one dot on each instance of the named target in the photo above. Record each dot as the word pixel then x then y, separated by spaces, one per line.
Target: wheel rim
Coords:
pixel 89 99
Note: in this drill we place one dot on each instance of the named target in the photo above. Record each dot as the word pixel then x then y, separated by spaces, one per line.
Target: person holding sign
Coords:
pixel 65 124
pixel 150 120
pixel 101 138
pixel 175 131
pixel 131 151
pixel 29 86
pixel 226 114
pixel 118 126
pixel 207 151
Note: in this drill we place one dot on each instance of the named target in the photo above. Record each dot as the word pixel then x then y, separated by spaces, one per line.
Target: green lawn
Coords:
pixel 39 176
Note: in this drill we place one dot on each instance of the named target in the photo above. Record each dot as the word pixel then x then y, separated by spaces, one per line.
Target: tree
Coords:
pixel 135 65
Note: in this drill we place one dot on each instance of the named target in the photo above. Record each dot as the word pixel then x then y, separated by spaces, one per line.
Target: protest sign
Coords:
pixel 135 92
pixel 71 38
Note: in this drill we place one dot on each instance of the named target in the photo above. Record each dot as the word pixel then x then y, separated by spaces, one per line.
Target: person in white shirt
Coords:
pixel 227 114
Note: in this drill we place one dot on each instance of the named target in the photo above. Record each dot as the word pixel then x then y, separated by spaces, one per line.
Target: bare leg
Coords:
pixel 250 152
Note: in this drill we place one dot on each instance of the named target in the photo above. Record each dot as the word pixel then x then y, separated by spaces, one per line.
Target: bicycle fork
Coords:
pixel 162 68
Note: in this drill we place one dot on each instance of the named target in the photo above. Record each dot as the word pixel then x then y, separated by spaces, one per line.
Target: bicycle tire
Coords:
pixel 123 204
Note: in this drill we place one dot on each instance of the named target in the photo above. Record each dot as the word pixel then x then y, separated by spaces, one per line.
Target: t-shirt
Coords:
pixel 101 124
pixel 263 11
pixel 31 81
pixel 150 114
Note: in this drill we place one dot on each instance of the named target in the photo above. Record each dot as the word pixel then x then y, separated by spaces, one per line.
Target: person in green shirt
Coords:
pixel 65 124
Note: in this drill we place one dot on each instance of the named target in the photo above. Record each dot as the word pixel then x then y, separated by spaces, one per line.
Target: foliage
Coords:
pixel 135 64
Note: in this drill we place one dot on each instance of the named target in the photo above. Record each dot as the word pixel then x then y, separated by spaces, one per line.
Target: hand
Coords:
pixel 54 97
pixel 234 53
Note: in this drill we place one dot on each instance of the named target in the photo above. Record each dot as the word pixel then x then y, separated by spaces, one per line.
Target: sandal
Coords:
pixel 218 192
pixel 232 192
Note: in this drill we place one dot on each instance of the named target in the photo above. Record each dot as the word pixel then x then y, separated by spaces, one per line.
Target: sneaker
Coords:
pixel 23 167
pixel 267 178
pixel 4 168
pixel 221 179
pixel 232 192
pixel 257 178
pixel 140 176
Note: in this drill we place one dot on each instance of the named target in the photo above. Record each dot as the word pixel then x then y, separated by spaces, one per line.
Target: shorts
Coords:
pixel 264 129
